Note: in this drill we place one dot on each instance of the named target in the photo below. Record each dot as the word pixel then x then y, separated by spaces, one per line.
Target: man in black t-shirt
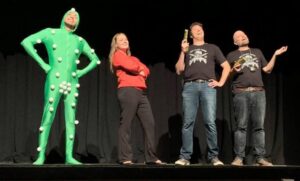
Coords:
pixel 249 96
pixel 198 62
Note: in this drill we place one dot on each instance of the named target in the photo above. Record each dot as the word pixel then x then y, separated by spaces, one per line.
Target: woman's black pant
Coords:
pixel 134 102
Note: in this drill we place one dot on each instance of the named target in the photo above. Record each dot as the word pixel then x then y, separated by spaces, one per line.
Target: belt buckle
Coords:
pixel 250 89
pixel 200 80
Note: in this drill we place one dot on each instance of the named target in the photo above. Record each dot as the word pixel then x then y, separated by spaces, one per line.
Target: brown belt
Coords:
pixel 247 89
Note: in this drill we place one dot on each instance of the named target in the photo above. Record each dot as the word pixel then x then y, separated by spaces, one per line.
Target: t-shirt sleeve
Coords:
pixel 264 62
pixel 230 58
pixel 219 56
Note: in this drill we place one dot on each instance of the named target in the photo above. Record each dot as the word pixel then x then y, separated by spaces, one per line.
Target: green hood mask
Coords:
pixel 63 25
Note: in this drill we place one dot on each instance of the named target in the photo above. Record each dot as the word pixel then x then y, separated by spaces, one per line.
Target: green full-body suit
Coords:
pixel 64 49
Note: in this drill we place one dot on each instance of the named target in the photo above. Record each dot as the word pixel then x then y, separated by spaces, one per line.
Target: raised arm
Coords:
pixel 269 67
pixel 179 66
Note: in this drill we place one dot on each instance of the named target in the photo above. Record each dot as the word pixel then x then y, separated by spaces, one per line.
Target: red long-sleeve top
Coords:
pixel 128 70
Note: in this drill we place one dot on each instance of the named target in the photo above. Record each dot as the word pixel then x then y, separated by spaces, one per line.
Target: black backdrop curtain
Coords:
pixel 21 105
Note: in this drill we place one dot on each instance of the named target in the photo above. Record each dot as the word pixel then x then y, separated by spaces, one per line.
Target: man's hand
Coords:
pixel 79 73
pixel 281 50
pixel 46 68
pixel 213 83
pixel 236 68
pixel 185 46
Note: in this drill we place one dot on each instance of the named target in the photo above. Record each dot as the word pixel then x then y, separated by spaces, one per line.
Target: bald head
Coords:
pixel 240 38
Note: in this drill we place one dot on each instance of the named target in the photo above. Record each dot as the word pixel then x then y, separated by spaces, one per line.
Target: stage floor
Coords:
pixel 146 172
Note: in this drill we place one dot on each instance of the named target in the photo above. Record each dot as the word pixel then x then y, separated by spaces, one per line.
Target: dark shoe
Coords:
pixel 263 162
pixel 237 161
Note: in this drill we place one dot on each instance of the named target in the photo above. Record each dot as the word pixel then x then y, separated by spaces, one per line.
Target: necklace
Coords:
pixel 245 52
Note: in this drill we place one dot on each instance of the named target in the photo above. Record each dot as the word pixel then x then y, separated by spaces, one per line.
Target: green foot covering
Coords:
pixel 39 161
pixel 72 161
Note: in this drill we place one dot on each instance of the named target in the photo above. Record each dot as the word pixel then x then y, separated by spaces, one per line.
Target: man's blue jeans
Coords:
pixel 249 106
pixel 193 94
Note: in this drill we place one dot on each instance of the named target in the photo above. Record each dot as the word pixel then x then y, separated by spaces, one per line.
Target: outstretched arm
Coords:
pixel 28 44
pixel 269 67
pixel 90 53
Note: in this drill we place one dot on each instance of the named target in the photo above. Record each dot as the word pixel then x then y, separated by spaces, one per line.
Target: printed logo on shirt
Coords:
pixel 198 55
pixel 251 62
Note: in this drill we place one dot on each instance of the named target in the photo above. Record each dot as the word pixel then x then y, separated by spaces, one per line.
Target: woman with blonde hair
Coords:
pixel 132 75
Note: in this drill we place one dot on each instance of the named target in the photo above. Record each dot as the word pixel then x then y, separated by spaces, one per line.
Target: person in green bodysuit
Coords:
pixel 64 49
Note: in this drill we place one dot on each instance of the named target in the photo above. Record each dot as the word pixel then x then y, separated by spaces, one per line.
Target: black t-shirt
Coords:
pixel 250 75
pixel 200 61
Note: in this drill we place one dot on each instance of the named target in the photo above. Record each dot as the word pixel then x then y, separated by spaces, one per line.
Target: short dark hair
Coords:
pixel 196 23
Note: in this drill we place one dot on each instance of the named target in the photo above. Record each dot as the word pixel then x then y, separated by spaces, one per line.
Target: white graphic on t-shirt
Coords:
pixel 198 55
pixel 251 62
